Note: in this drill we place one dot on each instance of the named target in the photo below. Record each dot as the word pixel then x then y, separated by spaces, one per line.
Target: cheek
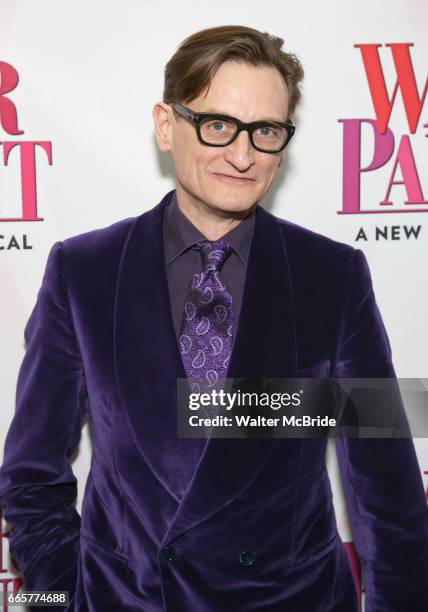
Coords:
pixel 270 168
pixel 183 161
pixel 206 161
pixel 181 151
pixel 191 165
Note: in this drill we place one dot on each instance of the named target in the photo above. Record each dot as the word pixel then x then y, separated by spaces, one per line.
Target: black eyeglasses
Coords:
pixel 220 130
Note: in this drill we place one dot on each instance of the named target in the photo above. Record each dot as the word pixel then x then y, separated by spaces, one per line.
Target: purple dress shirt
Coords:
pixel 182 261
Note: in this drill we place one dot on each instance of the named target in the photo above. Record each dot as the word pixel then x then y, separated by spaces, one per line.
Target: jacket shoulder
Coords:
pixel 315 252
pixel 91 259
pixel 315 243
pixel 99 240
pixel 94 256
pixel 108 241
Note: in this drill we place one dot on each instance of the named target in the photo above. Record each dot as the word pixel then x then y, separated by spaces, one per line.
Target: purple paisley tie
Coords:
pixel 207 327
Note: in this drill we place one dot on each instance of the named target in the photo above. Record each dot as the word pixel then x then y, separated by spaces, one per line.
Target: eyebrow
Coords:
pixel 215 111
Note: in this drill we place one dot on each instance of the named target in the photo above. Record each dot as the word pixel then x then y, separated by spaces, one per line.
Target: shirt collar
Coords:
pixel 181 234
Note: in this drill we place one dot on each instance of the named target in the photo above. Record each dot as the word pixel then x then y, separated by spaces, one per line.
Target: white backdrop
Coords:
pixel 89 74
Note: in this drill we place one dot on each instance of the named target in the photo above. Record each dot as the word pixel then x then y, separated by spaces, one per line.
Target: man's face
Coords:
pixel 231 178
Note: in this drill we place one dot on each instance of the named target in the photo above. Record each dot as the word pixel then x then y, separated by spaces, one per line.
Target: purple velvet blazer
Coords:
pixel 101 341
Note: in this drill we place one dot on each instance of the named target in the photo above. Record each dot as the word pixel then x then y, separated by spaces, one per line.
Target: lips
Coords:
pixel 231 178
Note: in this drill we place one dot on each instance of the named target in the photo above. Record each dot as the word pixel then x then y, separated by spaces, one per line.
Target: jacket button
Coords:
pixel 247 558
pixel 167 553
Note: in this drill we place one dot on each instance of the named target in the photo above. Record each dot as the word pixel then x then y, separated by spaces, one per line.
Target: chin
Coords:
pixel 232 200
pixel 233 205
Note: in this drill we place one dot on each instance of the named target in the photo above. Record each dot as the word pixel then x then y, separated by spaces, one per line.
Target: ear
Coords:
pixel 162 117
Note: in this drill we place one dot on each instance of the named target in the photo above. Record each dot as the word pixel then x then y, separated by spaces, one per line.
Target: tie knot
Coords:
pixel 214 254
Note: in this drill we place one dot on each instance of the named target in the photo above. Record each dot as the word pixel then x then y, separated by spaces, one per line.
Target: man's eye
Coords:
pixel 217 126
pixel 217 130
pixel 265 131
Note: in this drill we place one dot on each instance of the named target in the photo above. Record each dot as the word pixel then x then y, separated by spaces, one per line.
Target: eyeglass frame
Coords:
pixel 197 119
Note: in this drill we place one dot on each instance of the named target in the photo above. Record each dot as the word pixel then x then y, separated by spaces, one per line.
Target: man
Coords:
pixel 206 284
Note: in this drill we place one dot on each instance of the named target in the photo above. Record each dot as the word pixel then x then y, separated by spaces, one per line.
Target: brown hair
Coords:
pixel 194 64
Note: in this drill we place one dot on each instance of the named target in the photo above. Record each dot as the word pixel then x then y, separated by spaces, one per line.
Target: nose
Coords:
pixel 240 152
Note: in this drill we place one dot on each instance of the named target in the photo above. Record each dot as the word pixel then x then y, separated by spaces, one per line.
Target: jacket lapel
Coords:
pixel 148 360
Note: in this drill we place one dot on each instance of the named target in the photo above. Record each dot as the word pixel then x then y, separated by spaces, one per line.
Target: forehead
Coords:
pixel 245 91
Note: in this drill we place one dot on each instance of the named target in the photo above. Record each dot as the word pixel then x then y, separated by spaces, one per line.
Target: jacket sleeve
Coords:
pixel 37 485
pixel 381 476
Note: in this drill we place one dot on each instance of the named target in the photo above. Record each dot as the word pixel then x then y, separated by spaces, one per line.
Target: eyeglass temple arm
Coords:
pixel 182 110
